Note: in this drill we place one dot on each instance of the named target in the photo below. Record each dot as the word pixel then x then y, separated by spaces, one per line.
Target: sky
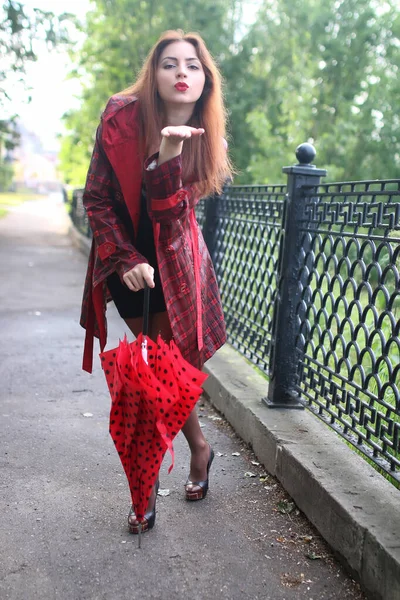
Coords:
pixel 52 93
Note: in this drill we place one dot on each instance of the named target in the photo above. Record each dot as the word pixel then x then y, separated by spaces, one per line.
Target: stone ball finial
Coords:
pixel 305 154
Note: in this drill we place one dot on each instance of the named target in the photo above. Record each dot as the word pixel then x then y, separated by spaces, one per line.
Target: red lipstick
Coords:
pixel 181 86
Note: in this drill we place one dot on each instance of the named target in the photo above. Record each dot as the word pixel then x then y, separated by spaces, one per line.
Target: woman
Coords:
pixel 159 148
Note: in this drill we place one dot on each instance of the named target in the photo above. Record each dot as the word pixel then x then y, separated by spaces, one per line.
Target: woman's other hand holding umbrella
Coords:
pixel 137 277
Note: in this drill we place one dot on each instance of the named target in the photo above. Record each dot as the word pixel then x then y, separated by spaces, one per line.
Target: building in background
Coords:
pixel 35 168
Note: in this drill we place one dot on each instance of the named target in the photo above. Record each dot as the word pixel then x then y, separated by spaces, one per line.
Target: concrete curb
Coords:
pixel 354 508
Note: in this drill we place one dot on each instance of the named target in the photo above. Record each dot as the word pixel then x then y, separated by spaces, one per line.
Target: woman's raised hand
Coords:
pixel 138 276
pixel 173 138
pixel 179 133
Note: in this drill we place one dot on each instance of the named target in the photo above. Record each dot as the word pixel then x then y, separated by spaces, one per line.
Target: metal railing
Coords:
pixel 242 229
pixel 310 282
pixel 349 315
pixel 309 276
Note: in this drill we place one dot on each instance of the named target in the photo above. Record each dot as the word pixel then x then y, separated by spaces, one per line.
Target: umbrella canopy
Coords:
pixel 153 390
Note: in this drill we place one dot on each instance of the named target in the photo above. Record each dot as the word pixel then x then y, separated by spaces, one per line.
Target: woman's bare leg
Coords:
pixel 191 430
pixel 159 325
pixel 135 325
pixel 199 449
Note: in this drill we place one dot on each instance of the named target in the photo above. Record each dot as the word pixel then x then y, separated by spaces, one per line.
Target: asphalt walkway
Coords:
pixel 63 495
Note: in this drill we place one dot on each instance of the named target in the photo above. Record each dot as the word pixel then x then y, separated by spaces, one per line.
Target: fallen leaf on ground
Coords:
pixel 87 414
pixel 164 492
pixel 313 556
pixel 250 474
pixel 235 453
pixel 285 507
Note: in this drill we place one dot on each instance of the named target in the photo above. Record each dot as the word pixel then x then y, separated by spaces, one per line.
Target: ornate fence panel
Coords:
pixel 349 316
pixel 242 229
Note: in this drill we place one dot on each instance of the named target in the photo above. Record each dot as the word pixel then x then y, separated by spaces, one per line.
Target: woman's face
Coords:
pixel 180 75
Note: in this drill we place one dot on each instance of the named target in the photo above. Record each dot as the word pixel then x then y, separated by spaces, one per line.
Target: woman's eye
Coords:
pixel 169 66
pixel 194 67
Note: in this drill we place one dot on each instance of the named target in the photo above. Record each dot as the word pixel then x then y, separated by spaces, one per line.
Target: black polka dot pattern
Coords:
pixel 149 405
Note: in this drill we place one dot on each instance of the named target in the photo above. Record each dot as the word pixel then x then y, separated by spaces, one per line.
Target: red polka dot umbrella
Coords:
pixel 153 390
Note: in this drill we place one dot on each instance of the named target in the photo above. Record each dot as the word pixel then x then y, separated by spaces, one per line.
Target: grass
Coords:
pixel 11 199
pixel 339 345
pixel 357 283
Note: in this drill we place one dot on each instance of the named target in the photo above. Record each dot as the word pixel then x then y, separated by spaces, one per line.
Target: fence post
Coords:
pixel 284 357
pixel 210 227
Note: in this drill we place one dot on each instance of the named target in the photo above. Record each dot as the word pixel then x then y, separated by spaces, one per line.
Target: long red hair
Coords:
pixel 205 161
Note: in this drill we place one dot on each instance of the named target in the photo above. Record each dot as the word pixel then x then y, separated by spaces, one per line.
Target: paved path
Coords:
pixel 63 496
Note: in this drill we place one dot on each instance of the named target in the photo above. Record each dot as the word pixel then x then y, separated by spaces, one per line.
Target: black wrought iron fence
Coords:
pixel 310 283
pixel 349 314
pixel 242 229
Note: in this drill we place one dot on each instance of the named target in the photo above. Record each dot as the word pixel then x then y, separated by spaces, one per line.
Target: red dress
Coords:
pixel 112 195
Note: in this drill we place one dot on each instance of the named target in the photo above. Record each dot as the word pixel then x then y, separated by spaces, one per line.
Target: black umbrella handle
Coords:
pixel 146 309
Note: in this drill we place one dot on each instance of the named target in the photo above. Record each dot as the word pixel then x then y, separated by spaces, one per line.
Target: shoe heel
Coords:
pixel 150 518
pixel 203 485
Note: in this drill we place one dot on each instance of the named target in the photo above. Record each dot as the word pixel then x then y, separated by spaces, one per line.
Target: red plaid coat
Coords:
pixel 112 194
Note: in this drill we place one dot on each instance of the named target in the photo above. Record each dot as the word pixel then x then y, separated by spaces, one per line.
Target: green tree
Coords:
pixel 301 71
pixel 19 31
pixel 9 138
pixel 331 72
pixel 119 35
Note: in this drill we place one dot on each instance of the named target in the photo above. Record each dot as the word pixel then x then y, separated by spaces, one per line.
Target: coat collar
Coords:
pixel 116 103
pixel 120 138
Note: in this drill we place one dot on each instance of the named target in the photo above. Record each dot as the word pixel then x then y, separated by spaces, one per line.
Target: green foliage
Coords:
pixel 9 138
pixel 119 35
pixel 300 71
pixel 6 175
pixel 330 72
pixel 20 30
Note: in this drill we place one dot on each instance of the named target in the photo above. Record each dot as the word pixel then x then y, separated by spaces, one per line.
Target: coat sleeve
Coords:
pixel 112 240
pixel 167 197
